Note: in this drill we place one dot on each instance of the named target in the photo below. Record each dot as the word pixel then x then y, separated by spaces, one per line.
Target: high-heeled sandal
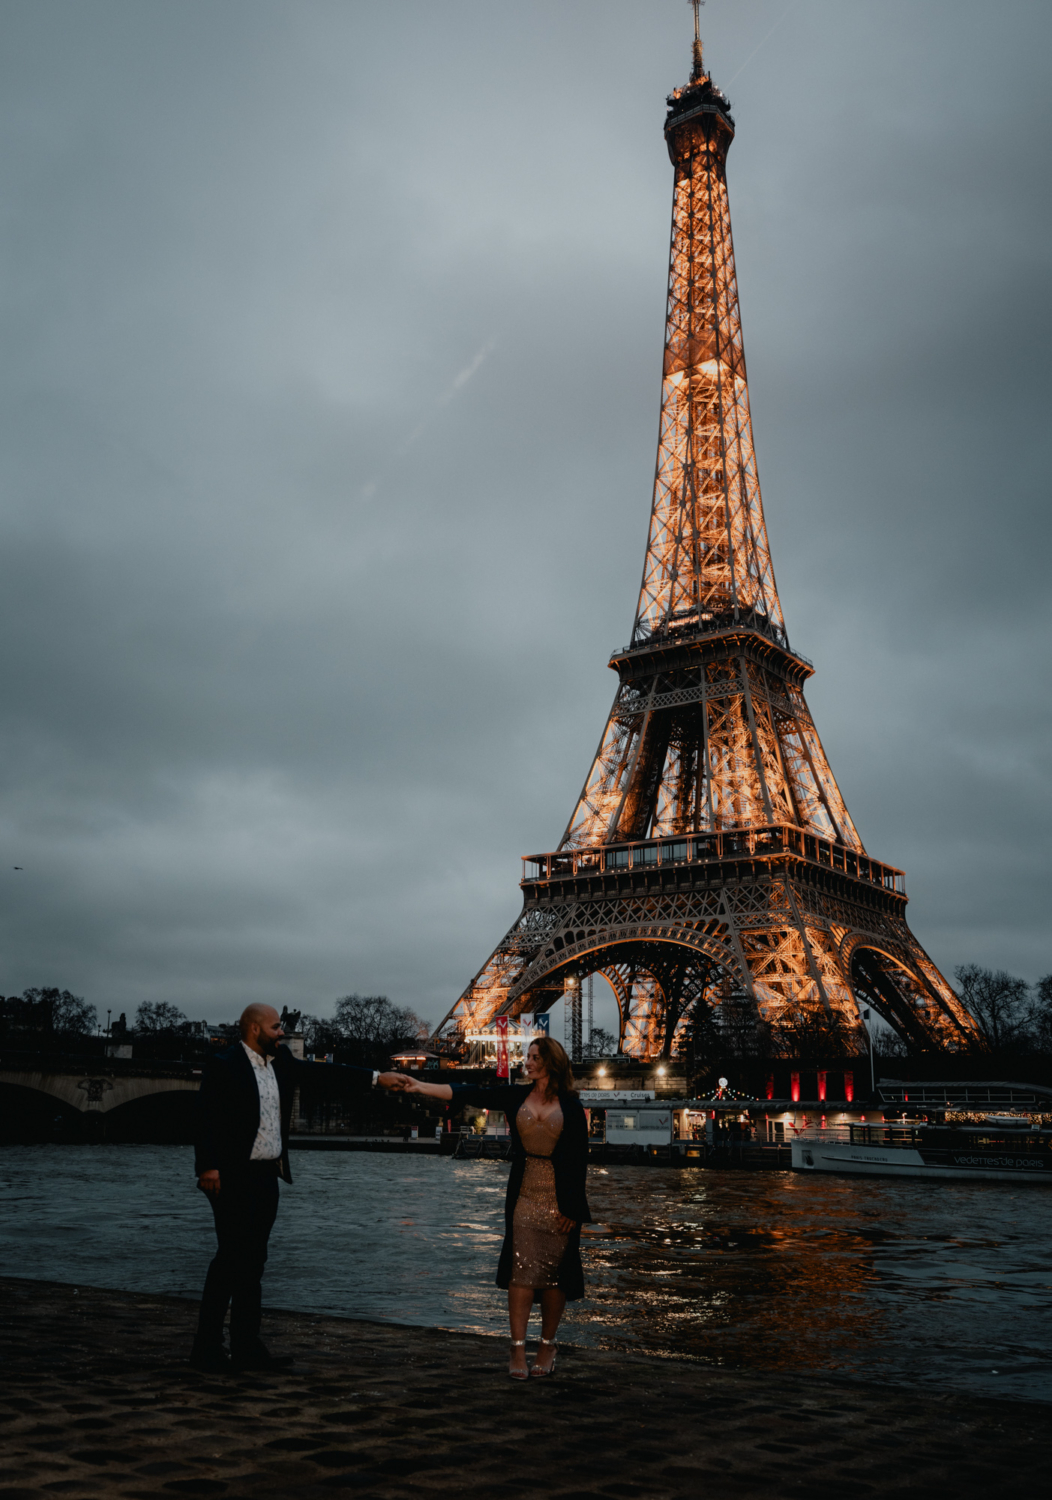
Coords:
pixel 538 1374
pixel 518 1374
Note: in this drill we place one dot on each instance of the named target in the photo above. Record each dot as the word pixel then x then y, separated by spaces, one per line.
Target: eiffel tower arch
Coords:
pixel 710 862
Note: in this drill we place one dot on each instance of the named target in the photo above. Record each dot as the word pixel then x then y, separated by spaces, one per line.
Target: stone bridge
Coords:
pixel 95 1090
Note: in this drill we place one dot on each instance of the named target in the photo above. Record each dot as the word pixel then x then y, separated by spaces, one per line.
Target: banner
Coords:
pixel 541 1024
pixel 502 1047
pixel 526 1022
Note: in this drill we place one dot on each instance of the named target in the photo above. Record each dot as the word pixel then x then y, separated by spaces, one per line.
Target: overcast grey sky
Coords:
pixel 330 370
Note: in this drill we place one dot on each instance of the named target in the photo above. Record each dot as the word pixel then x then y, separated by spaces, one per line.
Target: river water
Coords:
pixel 934 1284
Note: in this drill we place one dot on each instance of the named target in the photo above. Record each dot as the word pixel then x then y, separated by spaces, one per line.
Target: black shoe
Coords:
pixel 210 1359
pixel 258 1357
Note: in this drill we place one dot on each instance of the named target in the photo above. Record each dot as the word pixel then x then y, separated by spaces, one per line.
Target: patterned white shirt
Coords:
pixel 267 1145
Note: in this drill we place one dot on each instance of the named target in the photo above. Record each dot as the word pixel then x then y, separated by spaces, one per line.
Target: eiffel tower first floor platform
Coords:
pixel 768 927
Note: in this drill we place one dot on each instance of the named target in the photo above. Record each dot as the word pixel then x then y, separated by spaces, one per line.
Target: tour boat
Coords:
pixel 1002 1149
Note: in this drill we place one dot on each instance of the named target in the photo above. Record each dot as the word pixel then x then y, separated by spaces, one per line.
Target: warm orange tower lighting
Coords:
pixel 710 864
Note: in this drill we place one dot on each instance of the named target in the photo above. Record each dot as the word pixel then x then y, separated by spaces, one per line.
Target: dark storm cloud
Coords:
pixel 330 362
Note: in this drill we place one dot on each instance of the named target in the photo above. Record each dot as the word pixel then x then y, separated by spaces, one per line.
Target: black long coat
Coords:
pixel 569 1162
pixel 228 1105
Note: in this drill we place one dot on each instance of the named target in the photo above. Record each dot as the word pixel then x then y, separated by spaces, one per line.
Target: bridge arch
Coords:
pixel 96 1104
pixel 92 1090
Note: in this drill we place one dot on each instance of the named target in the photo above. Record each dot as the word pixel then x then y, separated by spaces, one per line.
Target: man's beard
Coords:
pixel 268 1045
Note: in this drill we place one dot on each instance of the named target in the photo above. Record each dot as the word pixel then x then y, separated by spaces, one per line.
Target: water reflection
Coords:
pixel 885 1280
pixel 936 1284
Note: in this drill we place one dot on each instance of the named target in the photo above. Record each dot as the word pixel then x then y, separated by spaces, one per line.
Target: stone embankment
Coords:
pixel 97 1400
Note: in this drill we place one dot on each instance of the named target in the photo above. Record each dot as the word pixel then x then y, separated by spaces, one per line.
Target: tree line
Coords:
pixel 1012 1018
pixel 363 1029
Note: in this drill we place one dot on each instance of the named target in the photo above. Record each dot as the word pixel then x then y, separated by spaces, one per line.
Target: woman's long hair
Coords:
pixel 554 1058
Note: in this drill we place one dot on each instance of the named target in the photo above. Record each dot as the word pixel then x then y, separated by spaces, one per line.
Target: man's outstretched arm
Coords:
pixel 346 1073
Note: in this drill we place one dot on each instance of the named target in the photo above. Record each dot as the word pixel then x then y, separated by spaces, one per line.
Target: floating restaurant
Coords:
pixel 729 1129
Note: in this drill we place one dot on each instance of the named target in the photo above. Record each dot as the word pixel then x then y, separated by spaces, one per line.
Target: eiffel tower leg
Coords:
pixel 640 1002
pixel 487 996
pixel 907 991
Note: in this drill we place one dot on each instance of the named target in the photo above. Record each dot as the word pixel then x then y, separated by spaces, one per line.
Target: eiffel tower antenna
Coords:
pixel 697 73
pixel 710 870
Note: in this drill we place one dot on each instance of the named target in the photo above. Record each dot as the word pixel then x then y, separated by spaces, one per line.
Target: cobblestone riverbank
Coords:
pixel 98 1400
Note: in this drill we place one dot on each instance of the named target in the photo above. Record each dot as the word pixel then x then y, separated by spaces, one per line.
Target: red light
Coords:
pixel 849 1086
pixel 794 1087
pixel 822 1086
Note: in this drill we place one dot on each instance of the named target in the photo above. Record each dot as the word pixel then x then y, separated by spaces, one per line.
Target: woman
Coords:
pixel 540 1259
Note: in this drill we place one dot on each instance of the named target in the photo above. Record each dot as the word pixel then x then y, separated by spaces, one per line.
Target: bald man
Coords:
pixel 245 1108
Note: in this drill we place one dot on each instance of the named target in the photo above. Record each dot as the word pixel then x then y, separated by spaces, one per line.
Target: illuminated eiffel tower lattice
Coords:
pixel 710 860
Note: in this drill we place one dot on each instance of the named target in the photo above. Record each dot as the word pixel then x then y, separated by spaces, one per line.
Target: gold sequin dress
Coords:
pixel 538 1245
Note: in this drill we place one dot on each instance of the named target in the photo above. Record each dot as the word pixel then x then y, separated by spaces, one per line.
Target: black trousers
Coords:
pixel 245 1209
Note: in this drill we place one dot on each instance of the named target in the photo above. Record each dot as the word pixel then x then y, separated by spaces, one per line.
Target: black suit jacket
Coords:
pixel 228 1106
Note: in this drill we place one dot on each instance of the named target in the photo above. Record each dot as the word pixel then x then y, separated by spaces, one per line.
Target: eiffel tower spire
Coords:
pixel 710 860
pixel 697 72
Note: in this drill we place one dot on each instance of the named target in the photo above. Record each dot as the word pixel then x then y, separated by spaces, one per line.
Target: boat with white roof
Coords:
pixel 964 1131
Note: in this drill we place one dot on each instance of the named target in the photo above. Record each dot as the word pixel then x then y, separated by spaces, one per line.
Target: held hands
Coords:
pixel 399 1083
pixel 563 1224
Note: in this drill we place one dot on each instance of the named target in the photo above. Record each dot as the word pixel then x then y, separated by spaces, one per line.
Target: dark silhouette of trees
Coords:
pixel 1009 1017
pixel 48 1017
pixel 601 1043
pixel 809 1030
pixel 365 1030
pixel 1041 1013
pixel 154 1017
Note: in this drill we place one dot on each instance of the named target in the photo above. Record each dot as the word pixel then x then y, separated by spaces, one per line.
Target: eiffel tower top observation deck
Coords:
pixel 710 860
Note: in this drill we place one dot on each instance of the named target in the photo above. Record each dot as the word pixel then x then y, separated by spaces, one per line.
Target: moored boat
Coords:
pixel 998 1150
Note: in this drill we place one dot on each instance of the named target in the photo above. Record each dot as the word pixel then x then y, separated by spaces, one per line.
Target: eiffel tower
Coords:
pixel 710 867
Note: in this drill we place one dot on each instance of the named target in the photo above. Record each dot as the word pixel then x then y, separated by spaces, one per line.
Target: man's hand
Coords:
pixel 563 1224
pixel 396 1081
pixel 208 1182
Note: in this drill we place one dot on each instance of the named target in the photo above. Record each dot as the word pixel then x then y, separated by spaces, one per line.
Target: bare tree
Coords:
pixel 999 1003
pixel 372 1018
pixel 369 1027
pixel 1041 1014
pixel 60 1012
pixel 154 1016
pixel 889 1044
pixel 809 1030
pixel 319 1035
pixel 601 1043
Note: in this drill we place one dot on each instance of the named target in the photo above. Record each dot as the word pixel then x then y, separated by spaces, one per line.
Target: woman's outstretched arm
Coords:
pixel 432 1090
